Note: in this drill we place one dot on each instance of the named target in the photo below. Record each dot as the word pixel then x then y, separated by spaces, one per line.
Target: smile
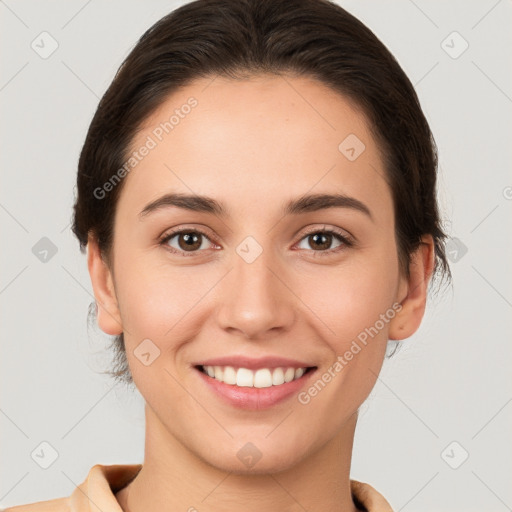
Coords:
pixel 260 378
pixel 253 389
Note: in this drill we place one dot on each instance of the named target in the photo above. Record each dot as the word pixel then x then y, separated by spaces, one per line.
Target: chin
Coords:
pixel 264 466
pixel 258 457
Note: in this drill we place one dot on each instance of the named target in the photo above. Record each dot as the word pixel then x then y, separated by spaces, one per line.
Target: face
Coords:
pixel 317 286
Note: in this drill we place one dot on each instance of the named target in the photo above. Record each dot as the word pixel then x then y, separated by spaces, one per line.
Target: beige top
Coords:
pixel 103 482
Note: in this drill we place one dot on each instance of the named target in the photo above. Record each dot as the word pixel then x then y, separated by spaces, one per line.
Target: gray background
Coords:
pixel 450 382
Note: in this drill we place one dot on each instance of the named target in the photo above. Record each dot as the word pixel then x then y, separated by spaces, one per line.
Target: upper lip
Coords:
pixel 254 363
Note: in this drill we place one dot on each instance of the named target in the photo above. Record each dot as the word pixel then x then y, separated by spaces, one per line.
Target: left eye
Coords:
pixel 324 239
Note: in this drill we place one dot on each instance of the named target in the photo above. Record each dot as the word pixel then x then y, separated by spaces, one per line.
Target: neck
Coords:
pixel 174 478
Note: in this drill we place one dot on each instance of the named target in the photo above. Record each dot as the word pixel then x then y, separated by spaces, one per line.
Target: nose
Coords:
pixel 255 300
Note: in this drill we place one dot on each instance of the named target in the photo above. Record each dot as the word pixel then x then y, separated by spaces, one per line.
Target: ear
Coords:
pixel 109 318
pixel 413 291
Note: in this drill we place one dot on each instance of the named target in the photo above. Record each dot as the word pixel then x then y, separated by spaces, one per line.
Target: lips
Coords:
pixel 254 384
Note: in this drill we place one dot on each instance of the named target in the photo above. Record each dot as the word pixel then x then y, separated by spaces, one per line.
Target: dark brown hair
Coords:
pixel 241 38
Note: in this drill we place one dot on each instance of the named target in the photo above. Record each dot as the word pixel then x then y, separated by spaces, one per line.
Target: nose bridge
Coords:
pixel 252 269
pixel 254 300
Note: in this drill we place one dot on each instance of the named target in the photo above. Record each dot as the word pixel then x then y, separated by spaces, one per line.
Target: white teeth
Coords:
pixel 229 375
pixel 289 374
pixel 244 377
pixel 278 377
pixel 262 378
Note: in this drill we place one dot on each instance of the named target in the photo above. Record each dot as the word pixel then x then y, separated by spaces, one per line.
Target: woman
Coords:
pixel 257 192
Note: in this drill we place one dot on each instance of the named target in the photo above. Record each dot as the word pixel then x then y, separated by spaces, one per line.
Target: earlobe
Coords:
pixel 408 320
pixel 109 318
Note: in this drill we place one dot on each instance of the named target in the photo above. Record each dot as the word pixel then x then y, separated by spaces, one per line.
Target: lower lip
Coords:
pixel 251 398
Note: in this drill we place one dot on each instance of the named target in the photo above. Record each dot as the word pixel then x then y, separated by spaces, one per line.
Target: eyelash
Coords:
pixel 347 242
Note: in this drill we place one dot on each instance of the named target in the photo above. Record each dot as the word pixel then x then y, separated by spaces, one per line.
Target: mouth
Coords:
pixel 257 378
pixel 253 389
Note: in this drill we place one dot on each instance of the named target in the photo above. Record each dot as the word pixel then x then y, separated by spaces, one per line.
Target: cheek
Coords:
pixel 351 298
pixel 163 305
pixel 154 297
pixel 154 306
pixel 355 302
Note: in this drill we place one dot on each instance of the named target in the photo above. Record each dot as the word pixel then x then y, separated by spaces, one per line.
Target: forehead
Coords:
pixel 253 139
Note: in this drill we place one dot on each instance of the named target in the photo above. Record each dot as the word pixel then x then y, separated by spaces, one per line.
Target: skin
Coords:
pixel 253 145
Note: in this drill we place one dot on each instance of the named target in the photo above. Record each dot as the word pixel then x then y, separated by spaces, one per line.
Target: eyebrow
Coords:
pixel 304 204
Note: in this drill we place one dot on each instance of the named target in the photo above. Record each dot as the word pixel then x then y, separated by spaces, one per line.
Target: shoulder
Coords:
pixel 99 487
pixel 56 505
pixel 367 498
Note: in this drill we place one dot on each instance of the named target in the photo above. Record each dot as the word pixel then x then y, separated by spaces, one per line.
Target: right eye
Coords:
pixel 187 240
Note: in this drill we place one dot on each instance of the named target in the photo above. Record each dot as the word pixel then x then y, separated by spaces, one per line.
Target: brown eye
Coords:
pixel 189 241
pixel 320 242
